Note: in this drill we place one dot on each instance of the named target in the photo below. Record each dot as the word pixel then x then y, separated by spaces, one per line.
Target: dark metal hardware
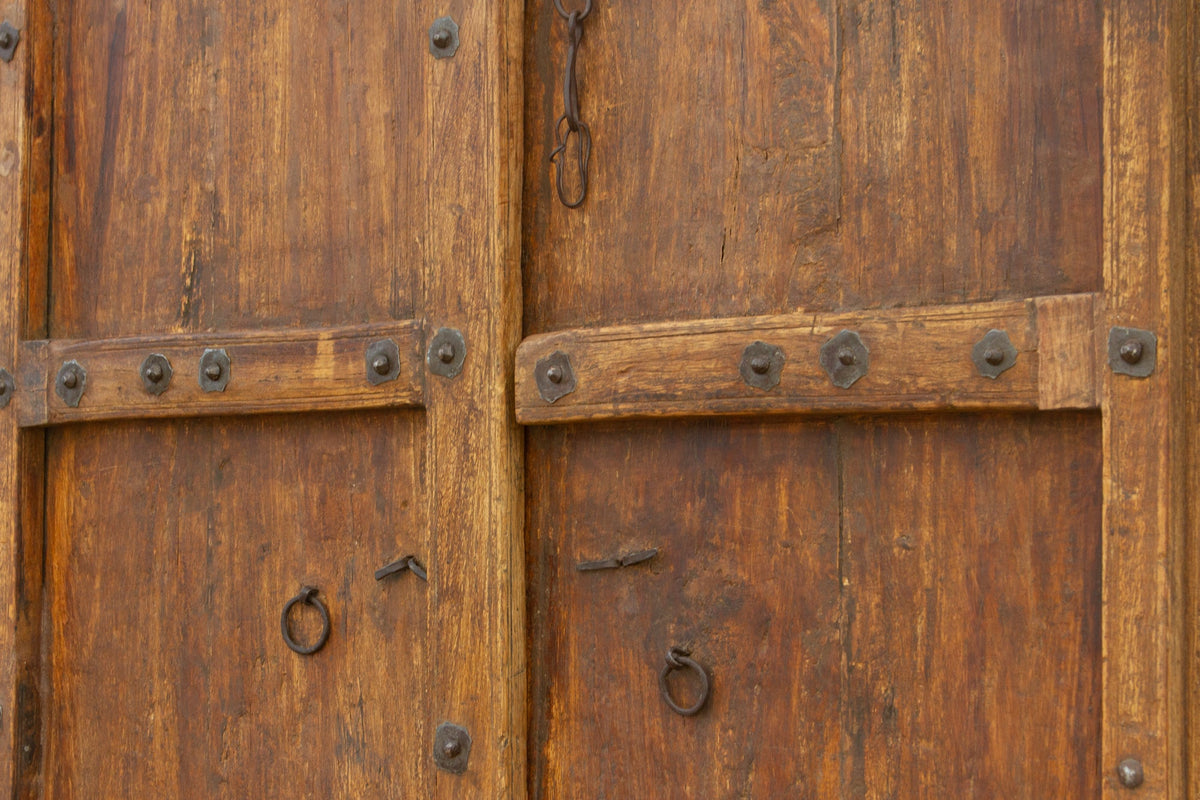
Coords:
pixel 447 352
pixel 616 563
pixel 994 354
pixel 308 596
pixel 383 361
pixel 678 658
pixel 845 358
pixel 71 383
pixel 762 365
pixel 1130 773
pixel 1132 351
pixel 156 373
pixel 443 38
pixel 451 748
pixel 554 376
pixel 214 370
pixel 10 37
pixel 574 125
pixel 7 388
pixel 409 563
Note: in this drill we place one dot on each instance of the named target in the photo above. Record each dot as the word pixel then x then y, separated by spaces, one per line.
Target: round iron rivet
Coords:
pixel 6 40
pixel 761 365
pixel 1130 773
pixel 452 748
pixel 213 372
pixel 445 352
pixel 382 364
pixel 154 373
pixel 441 39
pixel 846 356
pixel 994 356
pixel 1131 351
pixel 554 374
pixel 70 380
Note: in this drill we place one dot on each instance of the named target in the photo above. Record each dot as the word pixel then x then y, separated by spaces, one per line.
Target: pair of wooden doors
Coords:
pixel 860 376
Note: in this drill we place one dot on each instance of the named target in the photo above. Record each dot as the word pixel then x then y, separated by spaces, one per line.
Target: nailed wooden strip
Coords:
pixel 270 371
pixel 919 359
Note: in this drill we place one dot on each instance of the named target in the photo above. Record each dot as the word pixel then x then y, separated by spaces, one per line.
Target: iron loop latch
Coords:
pixel 616 563
pixel 308 596
pixel 409 563
pixel 678 658
pixel 574 129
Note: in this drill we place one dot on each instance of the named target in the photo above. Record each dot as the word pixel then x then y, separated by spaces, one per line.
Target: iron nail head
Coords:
pixel 994 354
pixel 443 37
pixel 7 388
pixel 1132 351
pixel 845 359
pixel 762 365
pixel 451 748
pixel 10 37
pixel 71 383
pixel 1130 773
pixel 214 370
pixel 156 373
pixel 447 341
pixel 554 376
pixel 382 361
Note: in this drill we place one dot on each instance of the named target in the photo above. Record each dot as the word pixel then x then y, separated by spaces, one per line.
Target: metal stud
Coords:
pixel 214 370
pixel 7 388
pixel 156 373
pixel 71 383
pixel 762 365
pixel 554 376
pixel 10 37
pixel 845 359
pixel 447 352
pixel 451 748
pixel 382 361
pixel 1130 773
pixel 994 354
pixel 1132 351
pixel 443 38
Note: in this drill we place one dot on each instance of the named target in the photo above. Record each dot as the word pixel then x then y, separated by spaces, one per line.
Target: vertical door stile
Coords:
pixel 474 449
pixel 1143 438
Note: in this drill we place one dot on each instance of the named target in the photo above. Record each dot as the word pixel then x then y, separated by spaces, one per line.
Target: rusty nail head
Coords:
pixel 994 354
pixel 762 365
pixel 443 37
pixel 446 342
pixel 214 370
pixel 1132 351
pixel 451 748
pixel 845 358
pixel 382 364
pixel 71 383
pixel 1130 773
pixel 10 37
pixel 7 388
pixel 554 376
pixel 383 361
pixel 156 373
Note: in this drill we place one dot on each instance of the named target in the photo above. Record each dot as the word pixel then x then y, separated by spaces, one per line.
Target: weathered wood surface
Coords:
pixel 270 371
pixel 1145 496
pixel 920 358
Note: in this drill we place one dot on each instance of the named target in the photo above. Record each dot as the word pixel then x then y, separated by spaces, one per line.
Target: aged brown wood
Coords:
pixel 1191 664
pixel 272 371
pixel 1144 430
pixel 920 358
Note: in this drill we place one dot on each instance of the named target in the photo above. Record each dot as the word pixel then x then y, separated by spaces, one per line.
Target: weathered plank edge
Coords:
pixel 1143 432
pixel 920 360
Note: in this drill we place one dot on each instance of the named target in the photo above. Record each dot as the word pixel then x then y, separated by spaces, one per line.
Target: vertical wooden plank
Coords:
pixel 1143 420
pixel 1192 380
pixel 474 449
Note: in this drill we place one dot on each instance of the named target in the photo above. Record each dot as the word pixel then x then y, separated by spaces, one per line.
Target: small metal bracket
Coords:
pixel 7 388
pixel 409 563
pixel 1132 351
pixel 443 38
pixel 554 376
pixel 214 370
pixel 10 37
pixel 639 557
pixel 1131 773
pixel 451 748
pixel 762 365
pixel 845 358
pixel 383 361
pixel 994 354
pixel 156 373
pixel 71 382
pixel 447 352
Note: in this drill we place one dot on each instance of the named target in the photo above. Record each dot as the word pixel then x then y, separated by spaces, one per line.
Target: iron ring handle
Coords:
pixel 678 658
pixel 587 9
pixel 308 596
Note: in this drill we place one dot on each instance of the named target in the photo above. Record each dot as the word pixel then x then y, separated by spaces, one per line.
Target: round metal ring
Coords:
pixel 587 9
pixel 308 596
pixel 677 658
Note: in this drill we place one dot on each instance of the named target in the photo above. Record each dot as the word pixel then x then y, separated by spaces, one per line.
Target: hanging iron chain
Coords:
pixel 575 127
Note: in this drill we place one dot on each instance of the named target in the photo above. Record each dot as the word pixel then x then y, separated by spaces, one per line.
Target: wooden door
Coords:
pixel 772 347
pixel 303 198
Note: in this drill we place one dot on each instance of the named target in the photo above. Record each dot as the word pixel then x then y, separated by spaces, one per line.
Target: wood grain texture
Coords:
pixel 474 449
pixel 920 358
pixel 1191 649
pixel 222 165
pixel 1144 434
pixel 971 580
pixel 761 158
pixel 270 371
pixel 172 549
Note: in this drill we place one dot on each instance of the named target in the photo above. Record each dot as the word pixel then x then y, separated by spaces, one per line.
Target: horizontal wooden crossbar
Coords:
pixel 919 359
pixel 289 370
